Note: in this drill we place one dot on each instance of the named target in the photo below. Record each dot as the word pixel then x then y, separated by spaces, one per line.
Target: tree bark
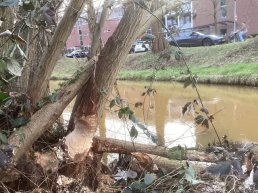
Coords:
pixel 159 43
pixel 110 60
pixel 7 15
pixel 39 80
pixel 22 139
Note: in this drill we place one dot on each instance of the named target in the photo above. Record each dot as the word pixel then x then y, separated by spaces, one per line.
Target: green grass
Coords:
pixel 235 59
pixel 66 67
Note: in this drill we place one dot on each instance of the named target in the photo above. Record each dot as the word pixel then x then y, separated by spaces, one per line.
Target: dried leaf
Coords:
pixel 13 66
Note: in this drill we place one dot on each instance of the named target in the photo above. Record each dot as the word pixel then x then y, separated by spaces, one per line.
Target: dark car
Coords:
pixel 77 54
pixel 196 39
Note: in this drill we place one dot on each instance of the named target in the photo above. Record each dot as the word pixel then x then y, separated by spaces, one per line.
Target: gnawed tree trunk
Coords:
pixel 39 80
pixel 22 139
pixel 96 46
pixel 110 60
pixel 159 43
pixel 109 145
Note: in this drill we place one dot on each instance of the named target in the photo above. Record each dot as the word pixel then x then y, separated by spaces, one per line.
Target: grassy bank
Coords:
pixel 235 63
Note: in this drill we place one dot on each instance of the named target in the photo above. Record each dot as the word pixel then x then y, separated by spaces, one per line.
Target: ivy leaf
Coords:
pixel 3 138
pixel 148 179
pixel 112 103
pixel 199 119
pixel 18 122
pixel 9 3
pixel 205 123
pixel 205 110
pixel 133 132
pixel 184 109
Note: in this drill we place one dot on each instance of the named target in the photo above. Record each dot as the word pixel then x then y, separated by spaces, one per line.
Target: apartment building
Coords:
pixel 199 15
pixel 80 35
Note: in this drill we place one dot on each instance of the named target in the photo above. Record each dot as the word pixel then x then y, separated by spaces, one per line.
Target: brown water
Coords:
pixel 235 108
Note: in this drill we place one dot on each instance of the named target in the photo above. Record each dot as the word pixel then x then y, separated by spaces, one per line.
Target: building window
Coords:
pixel 81 42
pixel 223 8
pixel 80 31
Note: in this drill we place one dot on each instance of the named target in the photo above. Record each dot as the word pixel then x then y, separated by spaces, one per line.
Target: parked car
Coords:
pixel 197 39
pixel 140 46
pixel 77 54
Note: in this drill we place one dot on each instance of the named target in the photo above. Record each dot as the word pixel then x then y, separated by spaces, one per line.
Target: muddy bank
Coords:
pixel 222 80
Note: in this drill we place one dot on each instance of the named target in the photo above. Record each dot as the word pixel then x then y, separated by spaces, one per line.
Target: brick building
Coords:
pixel 80 35
pixel 199 16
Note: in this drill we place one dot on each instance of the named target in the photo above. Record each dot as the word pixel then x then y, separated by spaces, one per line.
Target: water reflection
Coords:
pixel 235 111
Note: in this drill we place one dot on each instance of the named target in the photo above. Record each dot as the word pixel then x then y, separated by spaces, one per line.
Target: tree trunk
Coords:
pixel 7 15
pixel 110 60
pixel 159 43
pixel 23 138
pixel 39 80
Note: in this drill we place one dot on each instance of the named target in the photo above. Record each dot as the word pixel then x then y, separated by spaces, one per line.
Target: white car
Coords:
pixel 140 46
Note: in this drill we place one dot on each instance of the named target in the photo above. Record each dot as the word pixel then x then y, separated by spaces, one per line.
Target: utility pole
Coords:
pixel 235 18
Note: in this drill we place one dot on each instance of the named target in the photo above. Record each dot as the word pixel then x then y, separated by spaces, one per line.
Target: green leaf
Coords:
pixel 3 96
pixel 120 114
pixel 3 138
pixel 199 119
pixel 177 153
pixel 18 122
pixel 133 132
pixel 184 109
pixel 148 179
pixel 112 103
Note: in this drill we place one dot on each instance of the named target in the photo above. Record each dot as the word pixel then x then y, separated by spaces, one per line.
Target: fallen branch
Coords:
pixel 110 145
